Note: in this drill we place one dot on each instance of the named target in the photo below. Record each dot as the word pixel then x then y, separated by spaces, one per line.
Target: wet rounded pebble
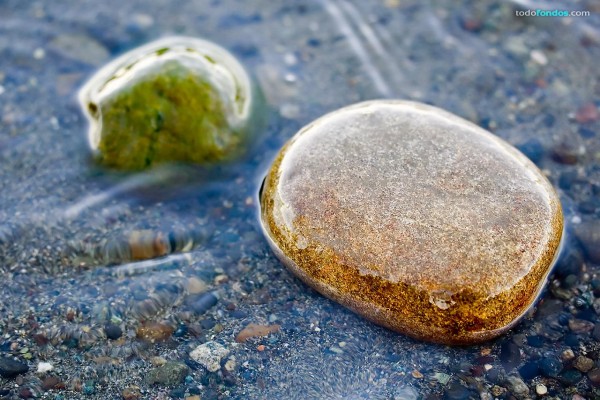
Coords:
pixel 570 376
pixel 587 113
pixel 147 244
pixel 510 355
pixel 588 233
pixel 196 285
pixel 541 389
pixel 113 331
pixel 208 323
pixel 255 330
pixel 10 368
pixel 594 377
pixel 175 99
pixel 414 218
pixel 580 326
pixel 200 304
pixel 154 332
pixel 456 391
pixel 583 363
pixel 529 370
pixel 550 367
pixel 25 393
pixel 169 374
pixel 52 382
pixel 567 355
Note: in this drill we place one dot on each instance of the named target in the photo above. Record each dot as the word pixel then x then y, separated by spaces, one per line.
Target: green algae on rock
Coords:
pixel 175 99
pixel 414 218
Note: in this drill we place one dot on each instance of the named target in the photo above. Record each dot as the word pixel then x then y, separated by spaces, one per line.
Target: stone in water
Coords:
pixel 414 218
pixel 175 99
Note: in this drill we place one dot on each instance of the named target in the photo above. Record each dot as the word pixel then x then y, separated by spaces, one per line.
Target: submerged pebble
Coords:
pixel 169 374
pixel 209 355
pixel 414 218
pixel 588 234
pixel 10 368
pixel 255 330
pixel 153 332
pixel 175 99
pixel 136 245
pixel 113 331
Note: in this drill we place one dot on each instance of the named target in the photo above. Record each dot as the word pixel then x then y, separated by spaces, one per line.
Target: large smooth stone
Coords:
pixel 414 218
pixel 177 99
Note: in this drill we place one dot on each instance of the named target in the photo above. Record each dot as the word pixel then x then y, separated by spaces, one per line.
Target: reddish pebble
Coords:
pixel 417 374
pixel 472 24
pixel 484 360
pixel 477 370
pixel 40 339
pixel 52 382
pixel 594 377
pixel 70 315
pixel 587 113
pixel 261 347
pixel 580 326
pixel 255 330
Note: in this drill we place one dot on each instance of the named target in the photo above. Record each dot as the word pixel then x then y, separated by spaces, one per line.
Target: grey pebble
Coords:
pixel 406 393
pixel 550 367
pixel 169 374
pixel 596 331
pixel 113 331
pixel 588 233
pixel 456 391
pixel 510 355
pixel 202 303
pixel 81 48
pixel 10 368
pixel 209 355
pixel 517 386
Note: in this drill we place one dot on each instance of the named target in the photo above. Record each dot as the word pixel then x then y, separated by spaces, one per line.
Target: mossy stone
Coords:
pixel 169 374
pixel 177 99
pixel 414 218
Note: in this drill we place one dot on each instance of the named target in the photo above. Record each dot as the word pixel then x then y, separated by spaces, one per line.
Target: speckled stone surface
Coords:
pixel 414 218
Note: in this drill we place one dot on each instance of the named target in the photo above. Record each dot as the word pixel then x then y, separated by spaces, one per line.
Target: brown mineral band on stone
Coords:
pixel 311 214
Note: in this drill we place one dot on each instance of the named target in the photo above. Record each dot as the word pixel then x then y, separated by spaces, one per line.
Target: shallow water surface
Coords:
pixel 71 233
